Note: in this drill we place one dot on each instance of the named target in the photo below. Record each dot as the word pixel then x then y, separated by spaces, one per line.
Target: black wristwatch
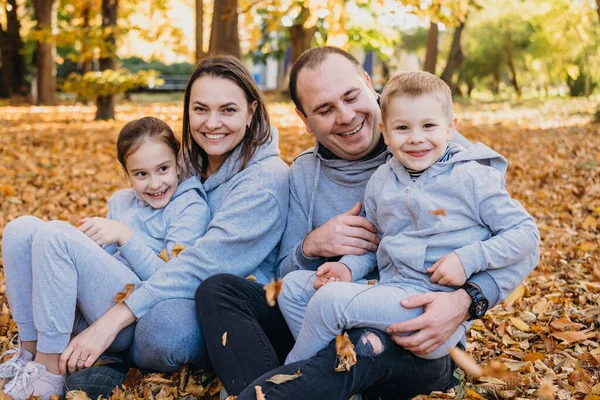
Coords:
pixel 479 303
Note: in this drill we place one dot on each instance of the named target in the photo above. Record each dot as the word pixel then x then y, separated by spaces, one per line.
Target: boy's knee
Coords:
pixel 22 227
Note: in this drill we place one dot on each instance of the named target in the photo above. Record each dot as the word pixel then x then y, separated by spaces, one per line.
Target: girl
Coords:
pixel 58 278
pixel 227 141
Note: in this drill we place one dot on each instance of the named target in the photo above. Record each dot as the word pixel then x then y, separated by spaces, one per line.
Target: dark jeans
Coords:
pixel 258 341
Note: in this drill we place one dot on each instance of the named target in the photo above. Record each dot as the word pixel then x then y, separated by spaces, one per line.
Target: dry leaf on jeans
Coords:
pixel 282 378
pixel 164 255
pixel 259 393
pixel 122 296
pixel 177 248
pixel 440 212
pixel 224 339
pixel 346 356
pixel 273 289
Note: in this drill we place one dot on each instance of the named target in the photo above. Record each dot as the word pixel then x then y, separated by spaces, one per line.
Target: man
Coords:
pixel 335 99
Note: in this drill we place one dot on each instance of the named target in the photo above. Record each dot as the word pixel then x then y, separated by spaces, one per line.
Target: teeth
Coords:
pixel 157 194
pixel 353 131
pixel 216 136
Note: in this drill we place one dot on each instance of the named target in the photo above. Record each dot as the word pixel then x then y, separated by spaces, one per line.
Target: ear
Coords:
pixel 369 83
pixel 384 132
pixel 304 119
pixel 452 128
pixel 251 110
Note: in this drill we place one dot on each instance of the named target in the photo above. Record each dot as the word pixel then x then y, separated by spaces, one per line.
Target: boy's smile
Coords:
pixel 417 130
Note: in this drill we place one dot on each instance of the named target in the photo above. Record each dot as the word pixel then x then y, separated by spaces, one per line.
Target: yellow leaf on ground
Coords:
pixel 520 324
pixel 224 339
pixel 590 223
pixel 76 395
pixel 534 356
pixel 564 324
pixel 282 378
pixel 157 379
pixel 177 248
pixel 570 336
pixel 259 393
pixel 122 296
pixel 164 255
pixel 515 296
pixel 471 394
pixel 346 356
pixel 547 389
pixel 465 361
pixel 273 289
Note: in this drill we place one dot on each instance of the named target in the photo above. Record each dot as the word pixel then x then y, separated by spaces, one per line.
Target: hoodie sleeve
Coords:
pixel 187 217
pixel 243 231
pixel 515 236
pixel 362 265
pixel 291 257
pixel 110 248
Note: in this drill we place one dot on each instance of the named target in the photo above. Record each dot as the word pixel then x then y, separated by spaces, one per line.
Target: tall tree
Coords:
pixel 45 53
pixel 224 35
pixel 432 47
pixel 200 29
pixel 300 35
pixel 105 104
pixel 455 58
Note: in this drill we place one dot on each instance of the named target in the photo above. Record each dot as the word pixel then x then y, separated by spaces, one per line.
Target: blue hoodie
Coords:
pixel 181 221
pixel 481 223
pixel 249 210
pixel 322 188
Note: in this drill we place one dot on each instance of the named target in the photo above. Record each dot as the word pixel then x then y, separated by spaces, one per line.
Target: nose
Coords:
pixel 213 121
pixel 345 115
pixel 416 136
pixel 154 182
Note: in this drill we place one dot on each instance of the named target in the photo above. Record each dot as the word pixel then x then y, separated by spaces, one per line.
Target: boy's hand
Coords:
pixel 332 272
pixel 105 231
pixel 448 271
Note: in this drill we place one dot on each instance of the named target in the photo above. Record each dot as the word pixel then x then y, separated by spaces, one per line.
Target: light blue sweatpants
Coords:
pixel 58 282
pixel 316 317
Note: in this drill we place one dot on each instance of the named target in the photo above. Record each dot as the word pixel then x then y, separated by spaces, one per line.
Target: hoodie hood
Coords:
pixel 191 183
pixel 233 164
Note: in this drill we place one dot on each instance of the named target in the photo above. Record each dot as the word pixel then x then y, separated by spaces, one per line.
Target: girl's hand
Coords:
pixel 105 231
pixel 448 271
pixel 332 272
pixel 84 349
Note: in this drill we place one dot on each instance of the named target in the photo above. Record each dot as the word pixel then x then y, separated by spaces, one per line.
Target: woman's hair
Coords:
pixel 137 132
pixel 258 132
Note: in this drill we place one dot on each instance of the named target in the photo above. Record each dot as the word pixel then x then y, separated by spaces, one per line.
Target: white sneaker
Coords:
pixel 33 379
pixel 20 357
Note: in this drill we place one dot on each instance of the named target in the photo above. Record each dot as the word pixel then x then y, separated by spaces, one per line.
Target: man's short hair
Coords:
pixel 414 84
pixel 312 58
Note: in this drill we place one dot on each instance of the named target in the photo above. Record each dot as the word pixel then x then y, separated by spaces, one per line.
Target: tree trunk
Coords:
pixel 87 64
pixel 45 55
pixel 6 71
pixel 598 9
pixel 105 105
pixel 199 30
pixel 301 37
pixel 513 71
pixel 13 28
pixel 432 48
pixel 224 35
pixel 455 58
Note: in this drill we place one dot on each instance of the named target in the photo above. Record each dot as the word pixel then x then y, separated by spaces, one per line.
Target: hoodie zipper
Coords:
pixel 412 214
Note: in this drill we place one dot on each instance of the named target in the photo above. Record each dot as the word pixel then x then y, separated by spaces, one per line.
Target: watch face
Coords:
pixel 481 307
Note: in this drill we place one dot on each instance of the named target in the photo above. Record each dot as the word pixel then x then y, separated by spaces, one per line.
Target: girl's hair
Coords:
pixel 257 133
pixel 137 132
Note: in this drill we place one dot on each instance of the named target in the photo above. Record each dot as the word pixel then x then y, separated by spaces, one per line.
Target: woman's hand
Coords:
pixel 85 348
pixel 105 231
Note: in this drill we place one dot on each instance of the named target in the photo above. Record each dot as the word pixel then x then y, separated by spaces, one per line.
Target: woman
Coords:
pixel 228 142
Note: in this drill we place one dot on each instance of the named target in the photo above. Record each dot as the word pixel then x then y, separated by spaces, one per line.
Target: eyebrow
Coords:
pixel 317 108
pixel 231 103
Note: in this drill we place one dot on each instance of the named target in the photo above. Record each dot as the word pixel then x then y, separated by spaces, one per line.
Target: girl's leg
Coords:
pixel 16 255
pixel 72 272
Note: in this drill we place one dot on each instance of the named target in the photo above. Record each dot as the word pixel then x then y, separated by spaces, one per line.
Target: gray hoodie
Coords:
pixel 249 210
pixel 480 222
pixel 322 188
pixel 158 229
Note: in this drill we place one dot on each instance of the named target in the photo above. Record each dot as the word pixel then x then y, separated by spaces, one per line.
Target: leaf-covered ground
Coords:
pixel 543 342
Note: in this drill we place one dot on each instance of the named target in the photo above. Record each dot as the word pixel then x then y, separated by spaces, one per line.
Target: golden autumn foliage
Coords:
pixel 542 342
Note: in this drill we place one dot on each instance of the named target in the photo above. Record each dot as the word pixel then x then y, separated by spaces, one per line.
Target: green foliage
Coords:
pixel 135 64
pixel 109 82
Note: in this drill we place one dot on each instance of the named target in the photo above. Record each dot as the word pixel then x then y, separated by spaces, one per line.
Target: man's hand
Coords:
pixel 345 234
pixel 443 313
pixel 448 271
pixel 105 231
pixel 332 272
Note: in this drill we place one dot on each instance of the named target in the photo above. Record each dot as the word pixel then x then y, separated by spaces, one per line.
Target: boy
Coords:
pixel 442 213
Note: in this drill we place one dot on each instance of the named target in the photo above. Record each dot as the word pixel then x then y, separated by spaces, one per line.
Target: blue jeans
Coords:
pixel 258 341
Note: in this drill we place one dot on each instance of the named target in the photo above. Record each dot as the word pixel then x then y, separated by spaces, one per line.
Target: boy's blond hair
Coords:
pixel 414 84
